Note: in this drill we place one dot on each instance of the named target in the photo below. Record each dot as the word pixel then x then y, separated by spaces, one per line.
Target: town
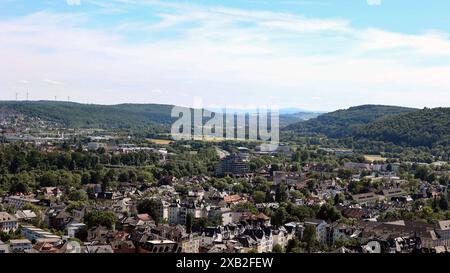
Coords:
pixel 112 192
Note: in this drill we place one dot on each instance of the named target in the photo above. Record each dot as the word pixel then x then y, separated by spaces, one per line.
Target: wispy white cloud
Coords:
pixel 223 55
pixel 73 2
pixel 52 82
pixel 374 2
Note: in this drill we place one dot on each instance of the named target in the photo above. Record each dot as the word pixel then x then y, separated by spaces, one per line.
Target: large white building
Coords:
pixel 37 234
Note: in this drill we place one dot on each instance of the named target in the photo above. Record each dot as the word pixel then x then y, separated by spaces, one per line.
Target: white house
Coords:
pixel 8 222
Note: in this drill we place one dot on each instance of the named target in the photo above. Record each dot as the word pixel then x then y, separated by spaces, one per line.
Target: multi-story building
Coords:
pixel 18 202
pixel 190 244
pixel 8 222
pixel 20 245
pixel 177 212
pixel 164 210
pixel 37 234
pixel 236 164
pixel 4 248
pixel 321 229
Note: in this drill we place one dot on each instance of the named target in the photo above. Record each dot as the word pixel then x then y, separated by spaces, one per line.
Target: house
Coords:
pixel 97 234
pixel 366 198
pixel 357 166
pixel 338 152
pixel 340 232
pixel 160 246
pixel 8 222
pixel 439 237
pixel 233 199
pixel 123 246
pixel 121 242
pixel 443 230
pixel 18 202
pixel 25 215
pixel 33 233
pixel 45 247
pixel 254 219
pixel 78 213
pixel 394 193
pixel 225 214
pixel 164 210
pixel 51 192
pixel 262 237
pixel 59 219
pixel 355 213
pixel 295 228
pixel 113 196
pixel 321 229
pixel 288 178
pixel 191 243
pixel 210 236
pixel 97 249
pixel 4 248
pixel 281 237
pixel 20 245
pixel 177 212
pixel 94 146
pixel 74 228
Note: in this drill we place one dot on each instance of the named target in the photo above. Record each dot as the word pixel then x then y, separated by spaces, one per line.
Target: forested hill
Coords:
pixel 427 127
pixel 344 123
pixel 76 115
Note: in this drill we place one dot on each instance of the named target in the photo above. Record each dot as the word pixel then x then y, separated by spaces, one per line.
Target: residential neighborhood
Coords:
pixel 244 205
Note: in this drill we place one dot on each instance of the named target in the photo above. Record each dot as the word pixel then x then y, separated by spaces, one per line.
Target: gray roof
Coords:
pixel 6 217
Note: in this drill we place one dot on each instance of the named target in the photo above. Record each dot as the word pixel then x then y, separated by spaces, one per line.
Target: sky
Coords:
pixel 318 55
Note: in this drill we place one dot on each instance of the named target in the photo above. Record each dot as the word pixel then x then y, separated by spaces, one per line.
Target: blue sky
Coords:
pixel 317 55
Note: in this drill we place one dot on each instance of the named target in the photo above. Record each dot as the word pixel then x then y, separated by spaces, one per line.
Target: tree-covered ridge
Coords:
pixel 344 123
pixel 427 127
pixel 75 115
pixel 121 116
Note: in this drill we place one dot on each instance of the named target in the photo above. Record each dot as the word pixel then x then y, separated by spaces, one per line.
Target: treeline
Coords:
pixel 24 167
pixel 344 123
pixel 427 128
pixel 153 117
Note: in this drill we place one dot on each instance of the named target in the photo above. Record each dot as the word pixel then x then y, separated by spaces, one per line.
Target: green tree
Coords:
pixel 259 196
pixel 338 199
pixel 78 195
pixel 189 222
pixel 310 237
pixel 443 203
pixel 277 249
pixel 151 207
pixel 329 213
pixel 90 193
pixel 100 218
pixel 48 179
pixel 19 187
pixel 280 216
pixel 281 193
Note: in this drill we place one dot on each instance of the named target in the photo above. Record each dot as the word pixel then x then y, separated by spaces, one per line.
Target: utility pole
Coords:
pixel 17 96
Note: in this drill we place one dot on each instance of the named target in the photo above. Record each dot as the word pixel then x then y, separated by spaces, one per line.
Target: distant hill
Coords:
pixel 427 127
pixel 288 119
pixel 76 115
pixel 344 123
